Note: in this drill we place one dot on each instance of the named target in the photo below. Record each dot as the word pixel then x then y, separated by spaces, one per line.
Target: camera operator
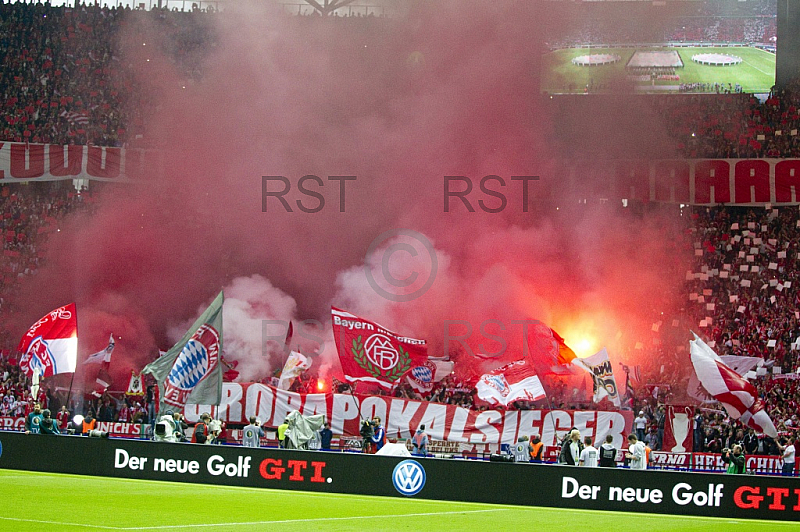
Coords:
pixel 325 437
pixel 49 425
pixel 378 434
pixel 200 432
pixel 180 426
pixel 366 431
pixel 736 460
pixel 252 433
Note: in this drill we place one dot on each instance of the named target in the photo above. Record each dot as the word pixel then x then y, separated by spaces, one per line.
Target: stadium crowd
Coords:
pixel 64 81
pixel 714 21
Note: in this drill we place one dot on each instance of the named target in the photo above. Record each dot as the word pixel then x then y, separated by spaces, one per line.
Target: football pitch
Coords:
pixel 756 72
pixel 47 501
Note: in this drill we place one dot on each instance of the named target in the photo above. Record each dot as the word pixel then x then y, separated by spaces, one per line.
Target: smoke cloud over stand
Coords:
pixel 448 90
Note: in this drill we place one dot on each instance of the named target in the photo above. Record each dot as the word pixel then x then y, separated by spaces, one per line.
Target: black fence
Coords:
pixel 662 492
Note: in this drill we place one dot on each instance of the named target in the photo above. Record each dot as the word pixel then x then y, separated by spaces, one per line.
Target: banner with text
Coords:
pixel 401 417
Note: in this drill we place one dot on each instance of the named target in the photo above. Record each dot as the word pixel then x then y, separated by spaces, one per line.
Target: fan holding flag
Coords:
pixel 50 346
pixel 190 371
pixel 736 394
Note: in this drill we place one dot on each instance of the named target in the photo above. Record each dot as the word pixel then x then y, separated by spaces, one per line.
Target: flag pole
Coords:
pixel 69 392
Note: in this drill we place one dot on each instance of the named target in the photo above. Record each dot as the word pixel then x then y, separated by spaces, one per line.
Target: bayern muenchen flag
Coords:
pixel 190 371
pixel 422 378
pixel 371 353
pixel 51 344
pixel 738 396
pixel 516 381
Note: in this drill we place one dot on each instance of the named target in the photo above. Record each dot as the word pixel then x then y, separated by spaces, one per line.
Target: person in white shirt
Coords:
pixel 640 424
pixel 637 455
pixel 588 454
pixel 788 457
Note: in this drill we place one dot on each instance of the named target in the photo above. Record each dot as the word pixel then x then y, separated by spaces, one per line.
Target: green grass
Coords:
pixel 48 501
pixel 756 73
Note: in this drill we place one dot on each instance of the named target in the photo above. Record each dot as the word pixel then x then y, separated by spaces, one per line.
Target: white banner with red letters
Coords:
pixel 21 162
pixel 401 417
pixel 689 181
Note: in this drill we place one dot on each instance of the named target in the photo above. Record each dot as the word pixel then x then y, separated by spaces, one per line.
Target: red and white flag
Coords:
pixel 736 394
pixel 516 381
pixel 551 352
pixel 135 386
pixel 372 353
pixel 51 344
pixel 295 365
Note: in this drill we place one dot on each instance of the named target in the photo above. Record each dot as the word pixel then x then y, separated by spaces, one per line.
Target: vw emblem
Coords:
pixel 408 477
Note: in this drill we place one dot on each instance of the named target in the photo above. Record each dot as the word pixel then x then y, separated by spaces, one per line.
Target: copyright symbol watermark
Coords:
pixel 406 268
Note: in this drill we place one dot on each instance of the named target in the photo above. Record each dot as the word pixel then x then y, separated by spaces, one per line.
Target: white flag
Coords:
pixel 295 365
pixel 603 376
pixel 104 355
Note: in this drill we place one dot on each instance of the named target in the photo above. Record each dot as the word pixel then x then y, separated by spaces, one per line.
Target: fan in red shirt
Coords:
pixel 62 417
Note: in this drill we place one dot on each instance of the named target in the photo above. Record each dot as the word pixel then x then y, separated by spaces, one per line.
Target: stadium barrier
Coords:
pixel 659 492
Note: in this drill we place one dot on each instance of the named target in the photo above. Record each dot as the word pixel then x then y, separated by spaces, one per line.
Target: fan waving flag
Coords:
pixel 104 355
pixel 371 353
pixel 603 376
pixel 50 346
pixel 135 384
pixel 551 353
pixel 190 372
pixel 516 381
pixel 422 378
pixel 738 396
pixel 295 365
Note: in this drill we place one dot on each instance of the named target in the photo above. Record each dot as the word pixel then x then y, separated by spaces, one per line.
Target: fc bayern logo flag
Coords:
pixel 372 353
pixel 190 372
pixel 516 381
pixel 51 344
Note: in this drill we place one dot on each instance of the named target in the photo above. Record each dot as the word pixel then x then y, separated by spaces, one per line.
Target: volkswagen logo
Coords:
pixel 408 477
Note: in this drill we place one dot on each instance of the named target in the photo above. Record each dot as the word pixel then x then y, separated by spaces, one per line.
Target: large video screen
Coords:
pixel 703 46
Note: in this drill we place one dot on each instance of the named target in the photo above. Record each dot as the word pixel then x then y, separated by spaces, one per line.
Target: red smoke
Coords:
pixel 450 89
